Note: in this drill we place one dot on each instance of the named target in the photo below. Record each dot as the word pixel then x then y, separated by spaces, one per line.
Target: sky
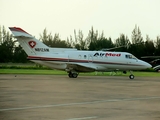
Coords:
pixel 112 17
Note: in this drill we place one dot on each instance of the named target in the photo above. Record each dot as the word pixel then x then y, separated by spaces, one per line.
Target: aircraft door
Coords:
pixel 68 58
pixel 90 58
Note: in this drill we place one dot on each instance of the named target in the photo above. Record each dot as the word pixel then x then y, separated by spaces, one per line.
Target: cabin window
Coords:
pixel 79 56
pixel 85 56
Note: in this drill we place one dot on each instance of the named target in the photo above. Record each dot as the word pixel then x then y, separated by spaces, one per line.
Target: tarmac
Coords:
pixel 58 97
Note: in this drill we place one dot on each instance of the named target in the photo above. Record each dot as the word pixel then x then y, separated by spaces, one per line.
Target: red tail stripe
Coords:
pixel 17 29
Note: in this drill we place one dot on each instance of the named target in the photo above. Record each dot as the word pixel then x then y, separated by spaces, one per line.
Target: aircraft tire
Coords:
pixel 131 76
pixel 70 75
pixel 74 75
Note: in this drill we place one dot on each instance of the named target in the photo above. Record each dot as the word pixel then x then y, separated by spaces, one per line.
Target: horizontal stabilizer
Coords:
pixel 18 32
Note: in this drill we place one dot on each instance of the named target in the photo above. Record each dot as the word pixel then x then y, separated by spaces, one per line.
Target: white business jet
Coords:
pixel 75 61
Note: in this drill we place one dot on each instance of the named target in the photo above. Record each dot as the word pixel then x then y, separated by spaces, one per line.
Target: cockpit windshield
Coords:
pixel 130 56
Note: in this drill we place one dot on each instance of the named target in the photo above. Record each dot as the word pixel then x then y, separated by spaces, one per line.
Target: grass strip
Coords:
pixel 57 72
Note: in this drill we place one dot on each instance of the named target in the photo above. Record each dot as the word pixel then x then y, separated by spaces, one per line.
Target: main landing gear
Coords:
pixel 73 75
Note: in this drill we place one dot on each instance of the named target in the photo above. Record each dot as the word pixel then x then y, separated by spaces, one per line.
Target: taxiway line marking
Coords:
pixel 83 118
pixel 80 103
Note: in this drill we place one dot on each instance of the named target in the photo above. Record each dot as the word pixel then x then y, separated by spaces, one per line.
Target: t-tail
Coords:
pixel 30 44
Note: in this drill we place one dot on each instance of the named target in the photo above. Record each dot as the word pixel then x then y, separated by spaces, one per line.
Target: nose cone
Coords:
pixel 146 65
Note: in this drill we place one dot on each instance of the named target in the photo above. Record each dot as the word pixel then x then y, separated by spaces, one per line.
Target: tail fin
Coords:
pixel 31 45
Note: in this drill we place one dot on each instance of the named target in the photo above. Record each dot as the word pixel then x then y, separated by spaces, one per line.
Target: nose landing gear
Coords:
pixel 131 76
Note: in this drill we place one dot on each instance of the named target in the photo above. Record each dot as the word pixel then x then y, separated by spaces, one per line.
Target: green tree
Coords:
pixel 98 42
pixel 92 39
pixel 122 43
pixel 69 42
pixel 104 43
pixel 51 41
pixel 157 46
pixel 6 46
pixel 136 36
pixel 149 47
pixel 137 46
pixel 80 42
pixel 19 55
pixel 1 36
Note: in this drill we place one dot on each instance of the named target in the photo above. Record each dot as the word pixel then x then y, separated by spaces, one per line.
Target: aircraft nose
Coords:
pixel 148 65
pixel 145 64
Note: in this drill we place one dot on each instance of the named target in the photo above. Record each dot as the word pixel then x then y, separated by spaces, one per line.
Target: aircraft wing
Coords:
pixel 78 67
pixel 81 67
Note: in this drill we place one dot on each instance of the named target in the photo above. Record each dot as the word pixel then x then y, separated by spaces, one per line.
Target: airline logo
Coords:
pixel 32 44
pixel 107 54
pixel 113 54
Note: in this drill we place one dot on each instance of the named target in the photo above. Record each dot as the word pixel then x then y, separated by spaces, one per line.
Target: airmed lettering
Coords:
pixel 107 54
pixel 42 49
pixel 113 54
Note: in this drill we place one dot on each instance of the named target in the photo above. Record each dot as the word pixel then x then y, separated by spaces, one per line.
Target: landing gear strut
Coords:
pixel 73 75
